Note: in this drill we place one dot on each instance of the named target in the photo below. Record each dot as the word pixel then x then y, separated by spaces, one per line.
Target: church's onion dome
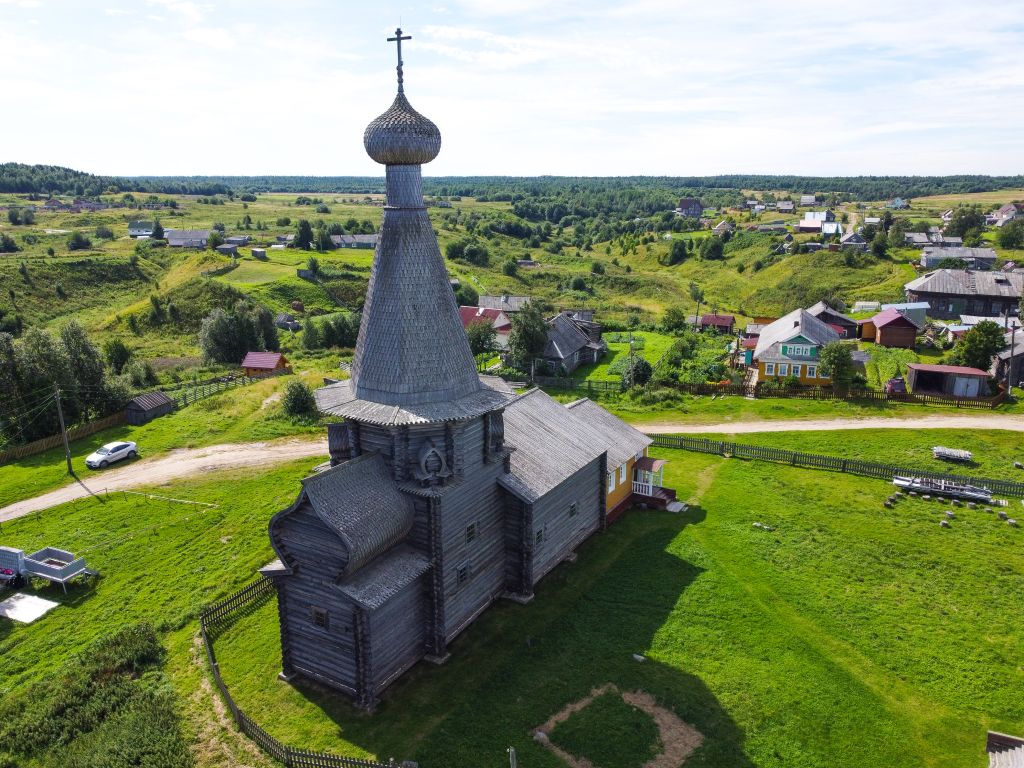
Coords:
pixel 402 136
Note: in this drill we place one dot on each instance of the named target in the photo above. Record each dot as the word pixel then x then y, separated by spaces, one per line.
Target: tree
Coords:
pixel 117 354
pixel 1011 235
pixel 964 219
pixel 311 336
pixel 298 400
pixel 678 252
pixel 578 283
pixel 836 362
pixel 879 245
pixel 697 294
pixel 216 238
pixel 303 235
pixel 158 231
pixel 674 319
pixel 712 248
pixel 313 265
pixel 638 372
pixel 14 216
pixel 510 268
pixel 529 334
pixel 78 242
pixel 7 244
pixel 482 336
pixel 323 240
pixel 225 337
pixel 977 346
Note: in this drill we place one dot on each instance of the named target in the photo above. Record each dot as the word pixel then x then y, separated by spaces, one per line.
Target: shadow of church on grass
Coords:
pixel 519 665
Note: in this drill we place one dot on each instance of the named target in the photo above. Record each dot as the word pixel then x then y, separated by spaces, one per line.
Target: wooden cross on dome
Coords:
pixel 398 38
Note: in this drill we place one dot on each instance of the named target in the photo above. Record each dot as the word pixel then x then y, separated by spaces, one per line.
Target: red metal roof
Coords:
pixel 960 369
pixel 647 464
pixel 749 343
pixel 263 360
pixel 724 320
pixel 470 315
pixel 837 328
pixel 887 316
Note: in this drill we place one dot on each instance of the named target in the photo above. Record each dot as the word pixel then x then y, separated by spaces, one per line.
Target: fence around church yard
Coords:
pixel 219 617
pixel 873 469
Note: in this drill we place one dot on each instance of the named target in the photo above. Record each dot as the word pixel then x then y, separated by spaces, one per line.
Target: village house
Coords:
pixel 790 347
pixel 690 207
pixel 845 326
pixel 287 322
pixel 917 311
pixel 503 303
pixel 258 364
pixel 722 227
pixel 786 206
pixel 898 204
pixel 890 328
pixel 237 240
pixel 808 201
pixel 227 249
pixel 853 240
pixel 140 228
pixel 355 241
pixel 447 491
pixel 974 258
pixel 916 239
pixel 574 339
pixel 717 323
pixel 1008 363
pixel 953 292
pixel 187 238
pixel 1007 213
pixel 954 380
pixel 497 318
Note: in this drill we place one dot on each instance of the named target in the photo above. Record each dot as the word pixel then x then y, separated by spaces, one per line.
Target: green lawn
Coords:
pixel 648 344
pixel 851 635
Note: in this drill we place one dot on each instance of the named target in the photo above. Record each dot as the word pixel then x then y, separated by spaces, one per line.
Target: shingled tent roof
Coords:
pixel 620 439
pixel 412 349
pixel 360 502
pixel 551 444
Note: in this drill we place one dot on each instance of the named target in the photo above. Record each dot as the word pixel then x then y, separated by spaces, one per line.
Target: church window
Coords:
pixel 320 618
pixel 540 535
pixel 470 532
pixel 462 574
pixel 573 509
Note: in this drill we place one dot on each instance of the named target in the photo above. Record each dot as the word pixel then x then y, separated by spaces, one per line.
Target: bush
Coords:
pixel 510 268
pixel 638 372
pixel 298 400
pixel 79 242
pixel 140 373
pixel 104 233
pixel 578 284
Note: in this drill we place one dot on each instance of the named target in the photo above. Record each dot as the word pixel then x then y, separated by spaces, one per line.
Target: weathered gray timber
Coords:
pixel 446 491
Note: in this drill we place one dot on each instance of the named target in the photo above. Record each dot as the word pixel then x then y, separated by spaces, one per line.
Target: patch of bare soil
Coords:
pixel 678 739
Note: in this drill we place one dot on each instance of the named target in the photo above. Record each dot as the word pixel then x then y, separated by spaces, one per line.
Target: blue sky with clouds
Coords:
pixel 518 87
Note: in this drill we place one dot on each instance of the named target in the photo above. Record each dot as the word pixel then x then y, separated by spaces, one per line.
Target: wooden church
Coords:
pixel 447 490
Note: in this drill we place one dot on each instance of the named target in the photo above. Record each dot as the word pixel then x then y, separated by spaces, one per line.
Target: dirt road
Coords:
pixel 189 462
pixel 183 462
pixel 991 421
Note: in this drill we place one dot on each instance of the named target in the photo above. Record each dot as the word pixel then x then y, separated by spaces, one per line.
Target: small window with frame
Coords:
pixel 573 509
pixel 470 532
pixel 462 574
pixel 540 536
pixel 320 618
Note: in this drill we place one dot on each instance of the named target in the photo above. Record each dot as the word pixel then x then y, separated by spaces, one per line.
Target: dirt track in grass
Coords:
pixel 981 421
pixel 176 464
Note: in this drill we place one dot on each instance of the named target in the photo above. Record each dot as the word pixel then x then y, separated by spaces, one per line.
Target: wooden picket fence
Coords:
pixel 186 394
pixel 218 617
pixel 873 469
pixel 75 433
pixel 760 391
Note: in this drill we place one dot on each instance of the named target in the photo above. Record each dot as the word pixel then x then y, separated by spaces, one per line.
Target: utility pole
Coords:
pixel 63 430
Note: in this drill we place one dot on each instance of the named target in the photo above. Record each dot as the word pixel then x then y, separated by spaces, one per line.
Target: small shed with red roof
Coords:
pixel 955 380
pixel 258 364
pixel 893 329
pixel 719 323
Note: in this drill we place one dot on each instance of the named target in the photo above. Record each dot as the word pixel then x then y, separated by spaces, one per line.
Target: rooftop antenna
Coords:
pixel 398 38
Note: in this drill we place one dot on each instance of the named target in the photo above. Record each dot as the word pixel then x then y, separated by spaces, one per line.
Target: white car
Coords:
pixel 110 453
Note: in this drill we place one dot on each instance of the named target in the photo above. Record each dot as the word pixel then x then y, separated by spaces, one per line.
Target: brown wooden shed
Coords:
pixel 263 363
pixel 143 408
pixel 893 329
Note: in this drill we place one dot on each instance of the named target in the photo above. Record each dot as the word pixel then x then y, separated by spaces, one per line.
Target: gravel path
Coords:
pixel 991 421
pixel 182 462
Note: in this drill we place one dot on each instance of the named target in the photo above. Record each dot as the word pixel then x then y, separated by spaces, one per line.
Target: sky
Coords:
pixel 517 87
